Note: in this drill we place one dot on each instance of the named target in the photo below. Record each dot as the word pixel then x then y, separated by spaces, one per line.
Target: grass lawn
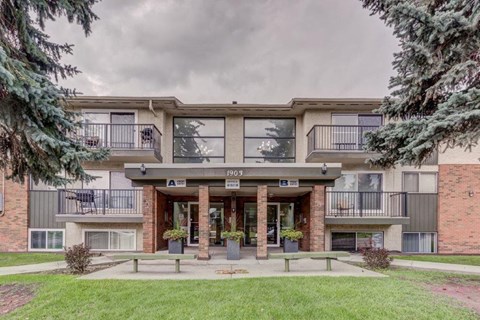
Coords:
pixel 18 259
pixel 468 260
pixel 401 296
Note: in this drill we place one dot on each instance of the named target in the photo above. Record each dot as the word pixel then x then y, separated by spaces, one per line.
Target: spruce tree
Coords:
pixel 36 129
pixel 435 98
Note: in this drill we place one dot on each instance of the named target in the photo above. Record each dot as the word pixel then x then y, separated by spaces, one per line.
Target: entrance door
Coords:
pixel 273 224
pixel 193 227
pixel 216 223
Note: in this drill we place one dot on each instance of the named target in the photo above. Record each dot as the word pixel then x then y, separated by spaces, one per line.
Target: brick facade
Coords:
pixel 149 219
pixel 458 211
pixel 160 220
pixel 317 219
pixel 14 217
pixel 304 243
pixel 203 222
pixel 262 202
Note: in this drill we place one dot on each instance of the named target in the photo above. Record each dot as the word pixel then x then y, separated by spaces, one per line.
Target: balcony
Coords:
pixel 100 205
pixel 127 142
pixel 358 207
pixel 337 143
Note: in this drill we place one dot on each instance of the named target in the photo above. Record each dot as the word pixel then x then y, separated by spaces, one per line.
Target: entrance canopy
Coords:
pixel 232 176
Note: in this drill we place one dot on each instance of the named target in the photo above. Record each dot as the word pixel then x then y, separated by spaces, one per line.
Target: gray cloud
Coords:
pixel 218 51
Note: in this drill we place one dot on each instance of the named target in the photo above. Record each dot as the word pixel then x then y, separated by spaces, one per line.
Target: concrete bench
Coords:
pixel 327 255
pixel 154 256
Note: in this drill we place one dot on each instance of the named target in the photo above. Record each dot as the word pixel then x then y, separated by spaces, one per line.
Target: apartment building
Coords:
pixel 259 167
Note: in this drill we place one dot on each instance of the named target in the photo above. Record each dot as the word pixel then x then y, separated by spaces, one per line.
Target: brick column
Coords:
pixel 262 222
pixel 149 219
pixel 203 222
pixel 317 219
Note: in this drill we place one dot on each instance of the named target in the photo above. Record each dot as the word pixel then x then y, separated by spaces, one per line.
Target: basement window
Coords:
pixel 46 239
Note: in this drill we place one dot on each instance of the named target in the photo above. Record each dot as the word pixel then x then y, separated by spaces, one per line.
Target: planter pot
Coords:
pixel 175 246
pixel 290 246
pixel 233 250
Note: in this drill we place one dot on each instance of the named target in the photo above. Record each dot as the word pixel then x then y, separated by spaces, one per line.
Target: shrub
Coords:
pixel 376 258
pixel 78 258
pixel 175 234
pixel 291 234
pixel 233 235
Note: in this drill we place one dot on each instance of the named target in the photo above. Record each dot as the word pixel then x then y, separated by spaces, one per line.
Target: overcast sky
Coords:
pixel 223 50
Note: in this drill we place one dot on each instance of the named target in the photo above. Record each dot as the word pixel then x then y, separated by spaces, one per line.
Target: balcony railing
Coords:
pixel 366 204
pixel 337 137
pixel 100 201
pixel 119 136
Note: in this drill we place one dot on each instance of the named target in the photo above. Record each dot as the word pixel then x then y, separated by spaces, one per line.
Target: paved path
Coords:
pixel 218 268
pixel 434 266
pixel 47 266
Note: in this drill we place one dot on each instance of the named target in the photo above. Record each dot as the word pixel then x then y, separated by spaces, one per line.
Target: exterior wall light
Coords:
pixel 324 168
pixel 143 170
pixel 471 193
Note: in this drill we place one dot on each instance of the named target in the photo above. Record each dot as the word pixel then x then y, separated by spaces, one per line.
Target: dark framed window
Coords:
pixel 198 140
pixel 269 140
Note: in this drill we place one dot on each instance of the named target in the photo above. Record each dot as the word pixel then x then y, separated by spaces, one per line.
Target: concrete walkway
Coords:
pixel 424 265
pixel 218 267
pixel 47 266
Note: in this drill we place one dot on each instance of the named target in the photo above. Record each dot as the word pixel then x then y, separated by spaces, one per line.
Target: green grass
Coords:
pixel 401 296
pixel 18 259
pixel 467 260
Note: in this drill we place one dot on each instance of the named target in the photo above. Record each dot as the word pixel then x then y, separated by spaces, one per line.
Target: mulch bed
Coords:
pixel 13 296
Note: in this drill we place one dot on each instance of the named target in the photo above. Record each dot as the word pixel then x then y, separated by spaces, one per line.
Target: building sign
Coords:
pixel 288 183
pixel 232 184
pixel 234 172
pixel 176 183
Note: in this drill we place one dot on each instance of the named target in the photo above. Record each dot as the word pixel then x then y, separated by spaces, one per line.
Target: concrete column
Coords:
pixel 262 222
pixel 149 219
pixel 203 222
pixel 317 219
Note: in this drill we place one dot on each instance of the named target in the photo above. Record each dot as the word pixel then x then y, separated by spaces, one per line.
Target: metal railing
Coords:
pixel 119 136
pixel 366 204
pixel 337 137
pixel 100 201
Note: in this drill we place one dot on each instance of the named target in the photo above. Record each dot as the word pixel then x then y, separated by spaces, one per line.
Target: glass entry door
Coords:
pixel 122 134
pixel 193 227
pixel 216 223
pixel 273 224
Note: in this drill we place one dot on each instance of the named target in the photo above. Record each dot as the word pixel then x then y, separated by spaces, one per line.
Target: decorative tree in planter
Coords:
pixel 291 238
pixel 233 243
pixel 175 240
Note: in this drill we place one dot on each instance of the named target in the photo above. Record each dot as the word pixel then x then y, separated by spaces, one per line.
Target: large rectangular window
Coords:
pixel 425 182
pixel 420 242
pixel 357 191
pixel 46 239
pixel 198 140
pixel 269 140
pixel 355 241
pixel 110 239
pixel 349 129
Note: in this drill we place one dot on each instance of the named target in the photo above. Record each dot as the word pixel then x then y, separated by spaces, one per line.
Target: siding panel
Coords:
pixel 43 207
pixel 422 210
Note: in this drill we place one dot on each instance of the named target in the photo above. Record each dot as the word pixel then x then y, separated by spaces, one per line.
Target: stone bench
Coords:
pixel 154 256
pixel 327 255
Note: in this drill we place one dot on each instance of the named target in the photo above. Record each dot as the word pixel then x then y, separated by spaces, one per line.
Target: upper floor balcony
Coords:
pixel 338 143
pixel 127 142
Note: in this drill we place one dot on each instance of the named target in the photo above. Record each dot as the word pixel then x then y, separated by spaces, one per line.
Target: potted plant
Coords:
pixel 175 240
pixel 233 243
pixel 291 237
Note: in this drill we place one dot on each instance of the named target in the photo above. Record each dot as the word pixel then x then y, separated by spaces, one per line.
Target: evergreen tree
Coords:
pixel 436 91
pixel 36 129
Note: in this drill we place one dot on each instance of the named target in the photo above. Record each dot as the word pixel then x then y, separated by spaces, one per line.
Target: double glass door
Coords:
pixel 216 223
pixel 273 224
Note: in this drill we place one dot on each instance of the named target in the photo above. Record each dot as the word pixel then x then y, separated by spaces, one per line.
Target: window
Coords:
pixel 110 239
pixel 355 241
pixel 46 239
pixel 109 129
pixel 198 140
pixel 420 242
pixel 349 129
pixel 357 191
pixel 269 140
pixel 425 182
